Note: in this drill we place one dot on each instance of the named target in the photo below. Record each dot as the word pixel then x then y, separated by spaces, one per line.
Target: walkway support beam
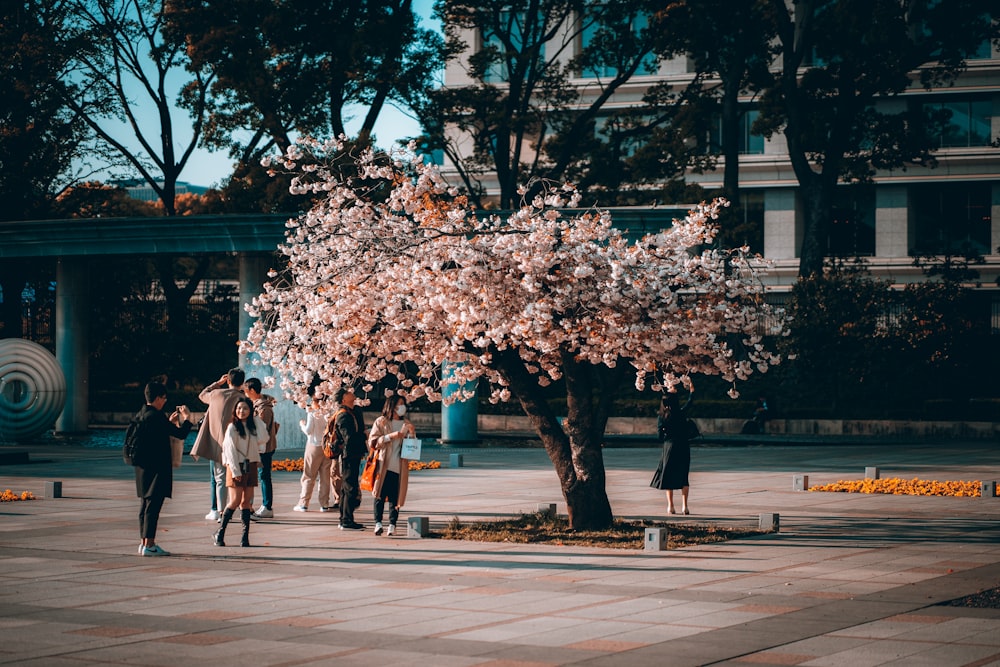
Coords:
pixel 72 321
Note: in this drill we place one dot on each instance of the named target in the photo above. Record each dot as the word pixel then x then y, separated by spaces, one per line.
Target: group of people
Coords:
pixel 338 478
pixel 238 437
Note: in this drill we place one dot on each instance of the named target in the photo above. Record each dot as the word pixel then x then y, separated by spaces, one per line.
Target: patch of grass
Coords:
pixel 542 527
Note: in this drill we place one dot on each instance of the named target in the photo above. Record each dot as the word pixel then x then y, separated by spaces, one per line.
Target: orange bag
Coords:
pixel 367 482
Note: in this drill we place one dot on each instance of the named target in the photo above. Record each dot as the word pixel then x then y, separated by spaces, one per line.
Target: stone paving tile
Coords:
pixel 872 653
pixel 312 575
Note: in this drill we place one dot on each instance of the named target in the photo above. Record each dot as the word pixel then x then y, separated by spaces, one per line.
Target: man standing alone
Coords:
pixel 154 474
pixel 221 397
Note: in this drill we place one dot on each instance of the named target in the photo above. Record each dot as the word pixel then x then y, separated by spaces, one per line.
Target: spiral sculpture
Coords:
pixel 32 389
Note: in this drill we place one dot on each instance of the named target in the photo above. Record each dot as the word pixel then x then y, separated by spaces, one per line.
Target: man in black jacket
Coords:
pixel 154 473
pixel 351 426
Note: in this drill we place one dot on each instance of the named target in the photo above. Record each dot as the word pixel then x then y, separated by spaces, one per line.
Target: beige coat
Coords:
pixel 379 441
pixel 220 400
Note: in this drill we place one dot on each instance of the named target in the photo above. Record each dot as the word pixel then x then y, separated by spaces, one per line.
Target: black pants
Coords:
pixel 149 515
pixel 266 485
pixel 390 492
pixel 350 468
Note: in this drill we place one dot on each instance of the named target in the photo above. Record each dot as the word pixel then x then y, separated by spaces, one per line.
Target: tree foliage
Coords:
pixel 285 69
pixel 392 274
pixel 131 59
pixel 40 136
pixel 528 115
pixel 836 59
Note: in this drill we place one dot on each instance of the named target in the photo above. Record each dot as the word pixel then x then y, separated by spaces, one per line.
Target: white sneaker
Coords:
pixel 264 513
pixel 392 530
pixel 212 516
pixel 300 508
pixel 154 550
pixel 378 527
pixel 141 547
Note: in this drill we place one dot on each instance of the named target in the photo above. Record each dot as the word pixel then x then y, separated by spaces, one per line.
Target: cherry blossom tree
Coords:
pixel 394 274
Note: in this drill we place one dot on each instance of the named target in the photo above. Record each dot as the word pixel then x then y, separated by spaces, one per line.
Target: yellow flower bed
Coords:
pixel 9 496
pixel 296 465
pixel 905 487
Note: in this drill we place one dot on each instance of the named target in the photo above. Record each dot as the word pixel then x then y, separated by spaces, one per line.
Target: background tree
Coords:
pixel 731 55
pixel 42 143
pixel 837 59
pixel 391 275
pixel 527 115
pixel 132 60
pixel 285 69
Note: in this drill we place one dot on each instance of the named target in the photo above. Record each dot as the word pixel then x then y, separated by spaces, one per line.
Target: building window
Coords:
pixel 951 218
pixel 522 36
pixel 597 31
pixel 750 144
pixel 964 122
pixel 852 223
pixel 750 230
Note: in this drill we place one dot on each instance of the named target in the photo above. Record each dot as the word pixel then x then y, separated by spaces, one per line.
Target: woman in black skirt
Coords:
pixel 675 461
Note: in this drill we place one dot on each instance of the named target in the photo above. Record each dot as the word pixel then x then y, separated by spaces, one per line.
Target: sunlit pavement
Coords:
pixel 850 579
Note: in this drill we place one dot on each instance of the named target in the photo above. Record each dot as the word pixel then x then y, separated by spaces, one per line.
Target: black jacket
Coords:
pixel 351 425
pixel 154 472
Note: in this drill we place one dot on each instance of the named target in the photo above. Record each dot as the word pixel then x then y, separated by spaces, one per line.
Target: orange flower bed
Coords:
pixel 290 465
pixel 905 487
pixel 9 496
pixel 296 465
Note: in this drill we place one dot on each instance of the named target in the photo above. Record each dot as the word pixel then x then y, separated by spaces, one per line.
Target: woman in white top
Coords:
pixel 315 465
pixel 386 437
pixel 246 437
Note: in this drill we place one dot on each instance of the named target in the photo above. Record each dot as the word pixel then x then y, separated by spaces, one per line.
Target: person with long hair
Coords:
pixel 245 437
pixel 675 461
pixel 393 471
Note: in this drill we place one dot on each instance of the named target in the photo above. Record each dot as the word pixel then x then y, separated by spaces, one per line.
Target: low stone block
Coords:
pixel 546 508
pixel 872 473
pixel 53 489
pixel 656 539
pixel 800 482
pixel 417 526
pixel 988 489
pixel 769 521
pixel 456 461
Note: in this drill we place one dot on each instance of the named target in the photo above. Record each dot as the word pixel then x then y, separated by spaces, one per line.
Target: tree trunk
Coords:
pixel 817 201
pixel 178 297
pixel 575 453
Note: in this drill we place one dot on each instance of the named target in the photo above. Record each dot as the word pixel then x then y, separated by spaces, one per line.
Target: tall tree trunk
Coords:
pixel 178 297
pixel 575 453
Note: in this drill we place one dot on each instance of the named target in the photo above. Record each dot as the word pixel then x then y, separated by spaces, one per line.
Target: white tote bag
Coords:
pixel 411 449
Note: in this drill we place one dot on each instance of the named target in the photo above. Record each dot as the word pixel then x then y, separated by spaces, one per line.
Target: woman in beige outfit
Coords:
pixel 386 437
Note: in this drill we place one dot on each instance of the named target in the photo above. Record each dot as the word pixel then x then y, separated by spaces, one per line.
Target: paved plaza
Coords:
pixel 850 579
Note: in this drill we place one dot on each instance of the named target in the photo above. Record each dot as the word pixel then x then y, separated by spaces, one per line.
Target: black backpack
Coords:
pixel 130 450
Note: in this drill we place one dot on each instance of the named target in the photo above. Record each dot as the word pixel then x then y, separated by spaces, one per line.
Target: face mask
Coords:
pixel 400 409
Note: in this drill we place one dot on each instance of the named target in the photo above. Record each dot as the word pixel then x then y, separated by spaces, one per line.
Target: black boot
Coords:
pixel 245 517
pixel 226 518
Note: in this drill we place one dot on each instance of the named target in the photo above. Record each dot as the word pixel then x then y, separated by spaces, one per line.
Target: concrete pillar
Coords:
pixel 253 274
pixel 782 230
pixel 891 222
pixel 458 419
pixel 72 320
